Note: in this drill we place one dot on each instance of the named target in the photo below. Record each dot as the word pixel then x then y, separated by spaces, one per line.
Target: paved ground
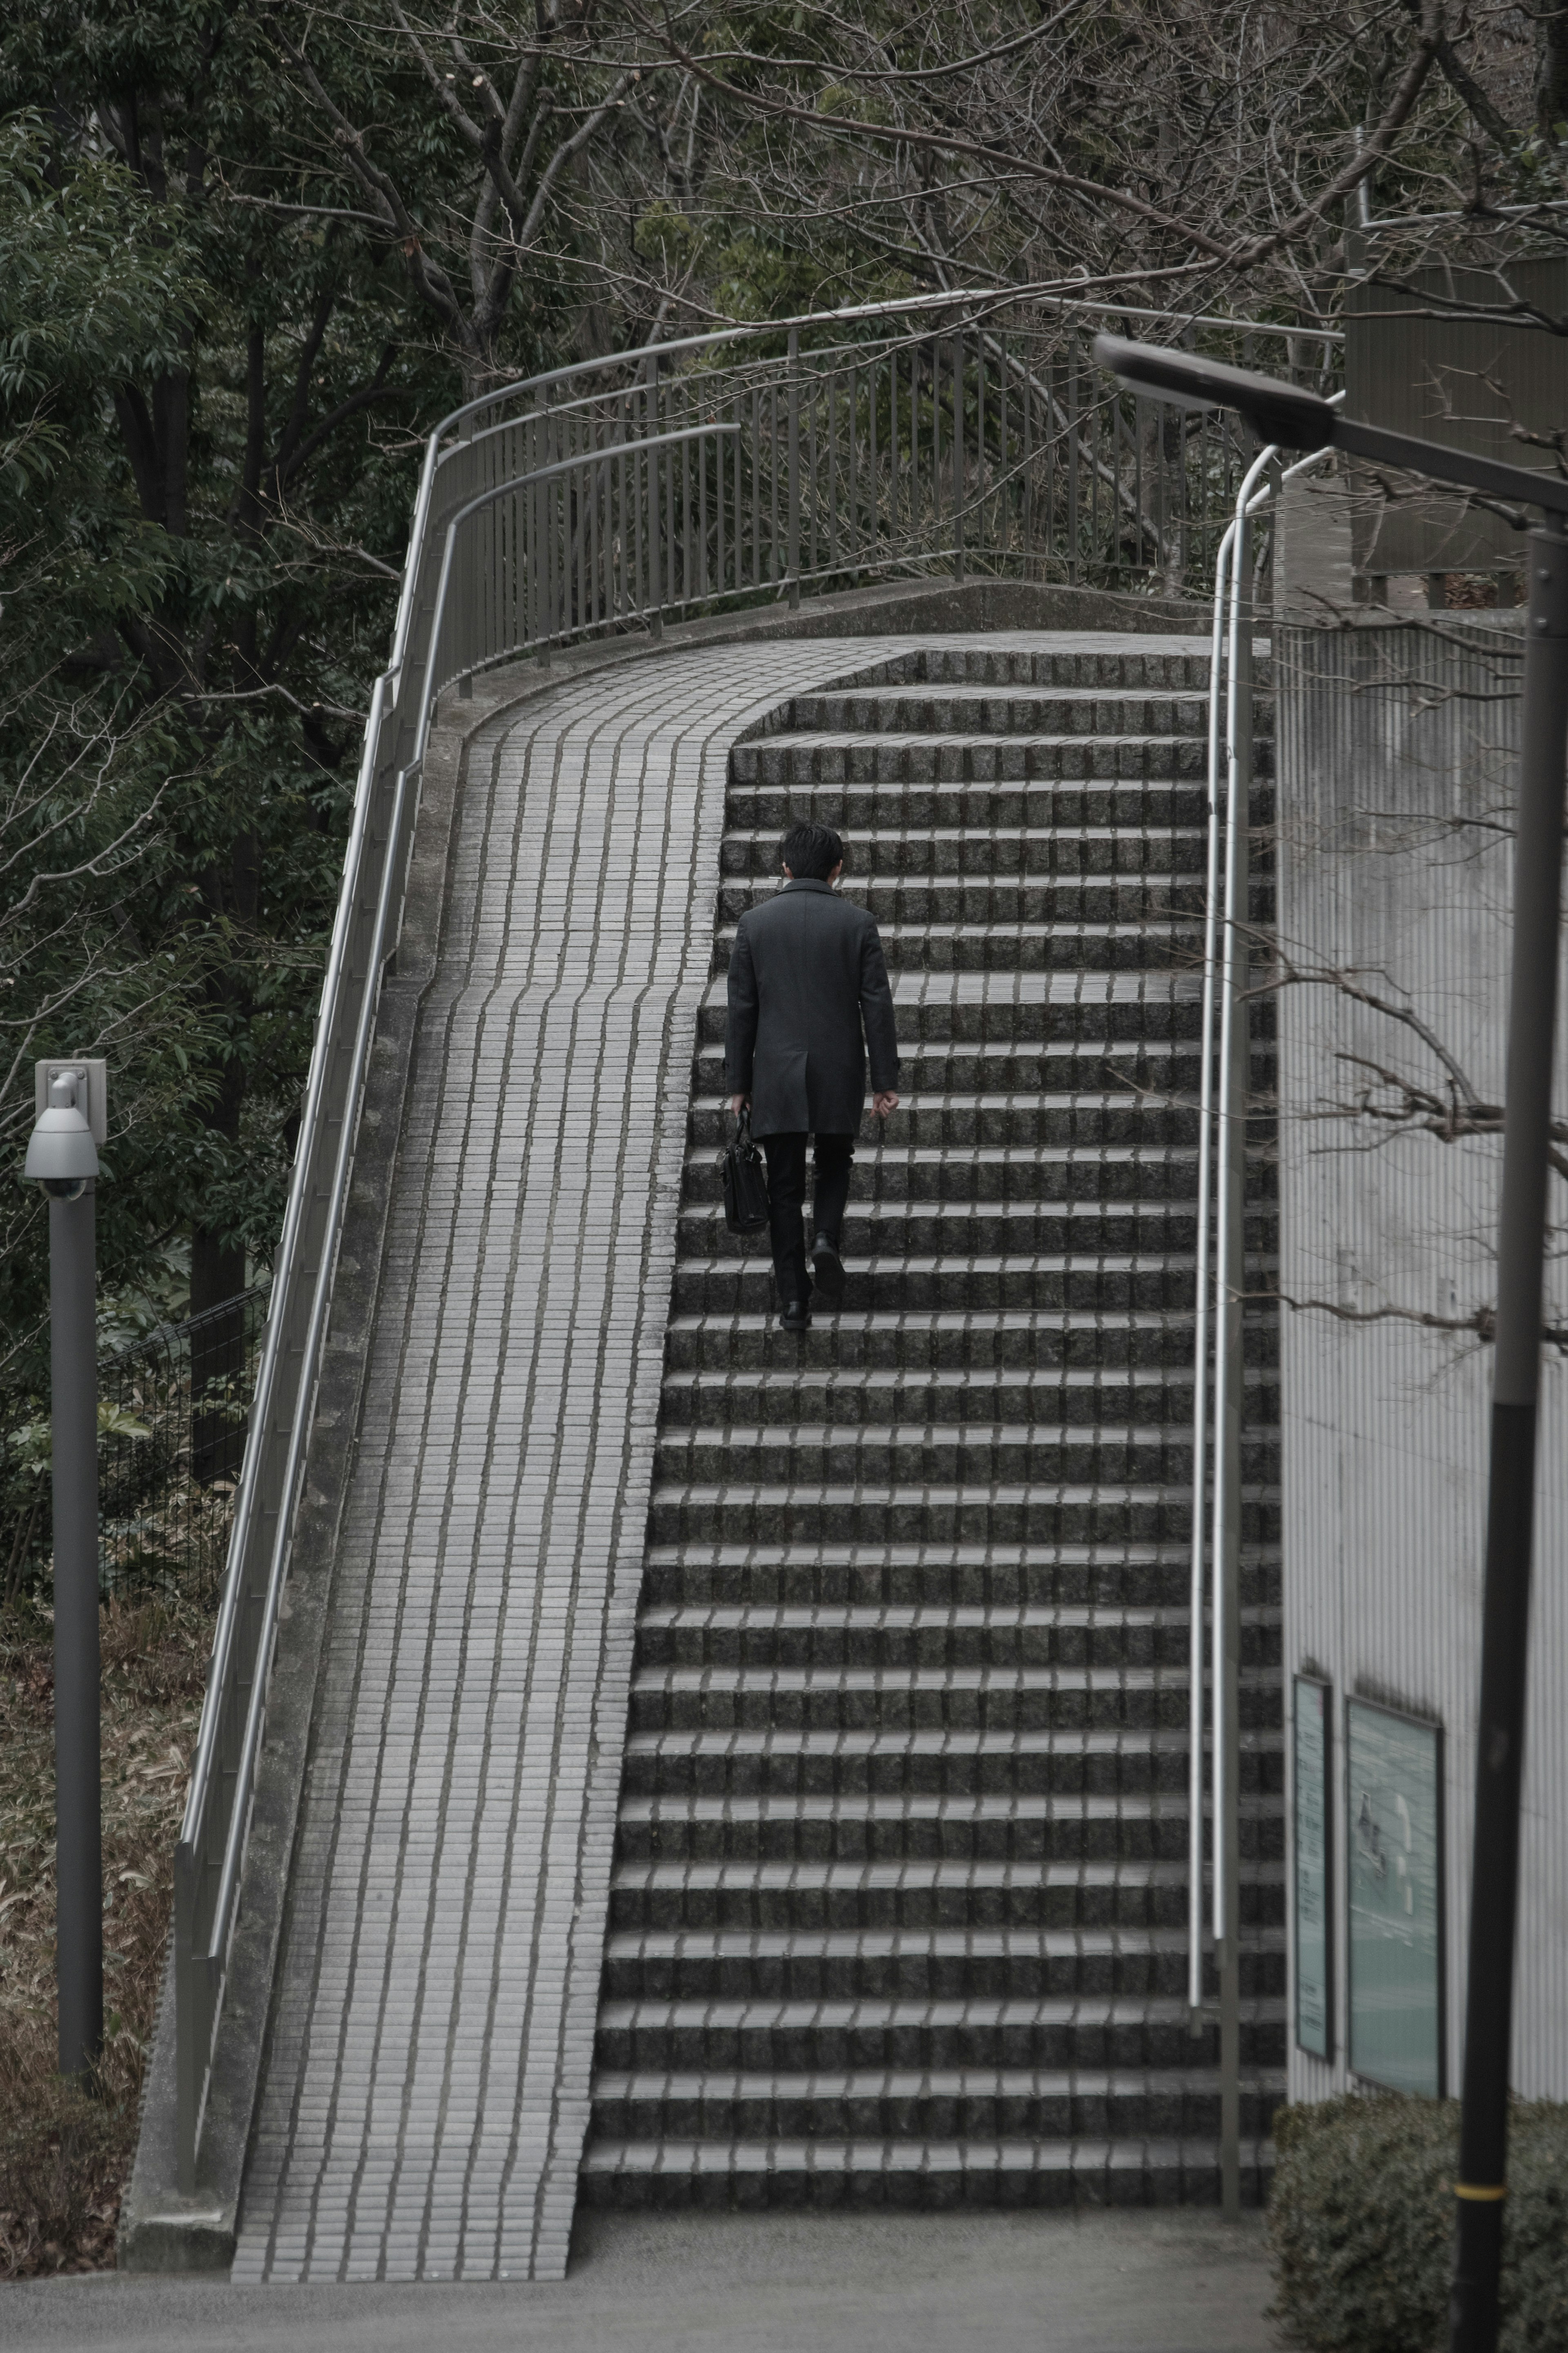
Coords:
pixel 1167 2282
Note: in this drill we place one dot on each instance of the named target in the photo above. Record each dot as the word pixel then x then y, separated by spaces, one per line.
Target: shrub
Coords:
pixel 65 2148
pixel 1361 2224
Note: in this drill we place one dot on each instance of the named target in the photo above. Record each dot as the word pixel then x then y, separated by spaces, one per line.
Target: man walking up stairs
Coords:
pixel 807 973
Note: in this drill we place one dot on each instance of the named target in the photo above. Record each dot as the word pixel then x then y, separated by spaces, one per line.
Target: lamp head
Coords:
pixel 61 1151
pixel 1277 412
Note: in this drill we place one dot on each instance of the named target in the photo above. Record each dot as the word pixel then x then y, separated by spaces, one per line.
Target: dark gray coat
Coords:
pixel 807 970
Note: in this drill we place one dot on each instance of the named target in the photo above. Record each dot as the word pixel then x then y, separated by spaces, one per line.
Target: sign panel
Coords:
pixel 1313 1735
pixel 1395 1851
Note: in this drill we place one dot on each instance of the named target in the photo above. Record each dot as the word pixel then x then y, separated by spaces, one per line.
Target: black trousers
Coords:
pixel 786 1193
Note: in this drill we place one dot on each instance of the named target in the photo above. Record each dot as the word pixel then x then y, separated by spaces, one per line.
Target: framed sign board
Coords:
pixel 1311 1838
pixel 1393 1841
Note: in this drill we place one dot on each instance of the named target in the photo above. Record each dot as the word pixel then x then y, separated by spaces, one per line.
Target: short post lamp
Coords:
pixel 62 1154
pixel 1295 419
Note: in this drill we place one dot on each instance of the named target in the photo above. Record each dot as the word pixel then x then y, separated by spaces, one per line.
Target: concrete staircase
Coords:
pixel 898 1908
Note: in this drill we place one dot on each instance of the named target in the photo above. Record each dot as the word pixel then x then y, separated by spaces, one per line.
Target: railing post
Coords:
pixel 655 534
pixel 958 467
pixel 655 503
pixel 1072 439
pixel 795 470
pixel 188 2060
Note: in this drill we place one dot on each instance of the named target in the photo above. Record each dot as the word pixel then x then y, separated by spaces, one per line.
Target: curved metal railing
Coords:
pixel 966 432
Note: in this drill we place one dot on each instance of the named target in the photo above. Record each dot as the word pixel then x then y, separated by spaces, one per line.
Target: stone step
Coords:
pixel 912 1897
pixel 785 1763
pixel 951 1160
pixel 1085 1121
pixel 1087 907
pixel 1096 2032
pixel 1108 1514
pixel 1026 1064
pixel 889 1285
pixel 1082 1230
pixel 848 1965
pixel 1023 1831
pixel 829 755
pixel 964 708
pixel 1080 665
pixel 1112 1179
pixel 934 1639
pixel 935 1454
pixel 913 2175
pixel 998 1699
pixel 999 1577
pixel 1074 794
pixel 1023 2103
pixel 865 1397
pixel 949 1339
pixel 1155 943
pixel 1121 1010
pixel 1070 853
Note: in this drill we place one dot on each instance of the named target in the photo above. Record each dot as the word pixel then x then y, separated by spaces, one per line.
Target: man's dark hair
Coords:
pixel 811 852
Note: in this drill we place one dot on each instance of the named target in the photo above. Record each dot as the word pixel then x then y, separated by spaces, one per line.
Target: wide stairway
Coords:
pixel 900 1899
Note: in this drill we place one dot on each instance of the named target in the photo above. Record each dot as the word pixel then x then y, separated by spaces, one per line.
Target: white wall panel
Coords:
pixel 1396 772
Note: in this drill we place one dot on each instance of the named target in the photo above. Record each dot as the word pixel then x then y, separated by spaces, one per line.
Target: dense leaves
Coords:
pixel 207 441
pixel 1361 2224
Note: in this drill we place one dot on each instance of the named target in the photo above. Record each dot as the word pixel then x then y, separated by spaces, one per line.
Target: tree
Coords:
pixel 84 775
pixel 250 469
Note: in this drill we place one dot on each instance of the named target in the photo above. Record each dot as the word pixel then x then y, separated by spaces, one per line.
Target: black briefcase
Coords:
pixel 745 1183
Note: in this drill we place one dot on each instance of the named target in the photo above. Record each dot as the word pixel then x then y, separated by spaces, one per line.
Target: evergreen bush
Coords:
pixel 1360 2225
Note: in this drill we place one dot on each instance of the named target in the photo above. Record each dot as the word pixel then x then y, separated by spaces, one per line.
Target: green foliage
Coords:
pixel 1361 2220
pixel 81 302
pixel 203 490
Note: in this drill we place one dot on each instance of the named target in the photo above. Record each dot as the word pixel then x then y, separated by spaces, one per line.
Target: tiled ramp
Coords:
pixel 425 2095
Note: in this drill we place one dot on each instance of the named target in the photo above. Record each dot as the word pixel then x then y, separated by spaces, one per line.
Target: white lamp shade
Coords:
pixel 61 1149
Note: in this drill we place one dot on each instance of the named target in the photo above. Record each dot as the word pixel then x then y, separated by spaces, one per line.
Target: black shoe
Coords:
pixel 827 1270
pixel 796 1316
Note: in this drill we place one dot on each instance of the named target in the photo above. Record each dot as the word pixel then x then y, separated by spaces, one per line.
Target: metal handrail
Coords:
pixel 1219 1279
pixel 940 431
pixel 952 298
pixel 1223 1093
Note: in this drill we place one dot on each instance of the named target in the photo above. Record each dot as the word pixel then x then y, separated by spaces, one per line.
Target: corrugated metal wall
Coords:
pixel 1396 772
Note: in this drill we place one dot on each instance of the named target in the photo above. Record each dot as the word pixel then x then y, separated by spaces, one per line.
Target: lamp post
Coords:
pixel 1294 420
pixel 62 1156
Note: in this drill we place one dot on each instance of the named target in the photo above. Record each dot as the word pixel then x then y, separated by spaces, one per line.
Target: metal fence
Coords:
pixel 172 1410
pixel 965 434
pixel 766 464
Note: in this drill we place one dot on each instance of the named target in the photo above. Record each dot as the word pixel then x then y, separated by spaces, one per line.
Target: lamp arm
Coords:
pixel 1441 464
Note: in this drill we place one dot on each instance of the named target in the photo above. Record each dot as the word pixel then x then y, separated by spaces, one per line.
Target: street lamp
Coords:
pixel 62 1154
pixel 1295 419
